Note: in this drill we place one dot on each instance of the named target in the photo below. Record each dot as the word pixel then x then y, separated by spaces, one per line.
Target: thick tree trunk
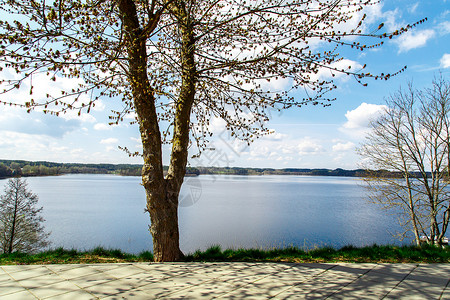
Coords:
pixel 164 228
pixel 162 195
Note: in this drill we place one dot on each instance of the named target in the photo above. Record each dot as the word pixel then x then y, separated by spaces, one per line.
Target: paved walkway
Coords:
pixel 226 281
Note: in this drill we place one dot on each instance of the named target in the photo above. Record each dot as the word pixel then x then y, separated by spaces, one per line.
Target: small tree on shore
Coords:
pixel 412 139
pixel 21 226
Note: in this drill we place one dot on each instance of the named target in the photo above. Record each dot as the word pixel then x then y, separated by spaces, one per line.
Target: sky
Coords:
pixel 309 137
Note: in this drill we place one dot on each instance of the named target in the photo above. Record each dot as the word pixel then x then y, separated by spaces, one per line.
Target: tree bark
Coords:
pixel 180 141
pixel 162 195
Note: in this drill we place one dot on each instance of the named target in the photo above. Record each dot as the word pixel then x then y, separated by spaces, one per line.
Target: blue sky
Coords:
pixel 310 137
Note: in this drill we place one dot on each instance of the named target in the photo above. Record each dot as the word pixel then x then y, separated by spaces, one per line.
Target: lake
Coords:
pixel 84 211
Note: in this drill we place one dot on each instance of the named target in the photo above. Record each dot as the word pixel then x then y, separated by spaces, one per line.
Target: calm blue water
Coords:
pixel 85 211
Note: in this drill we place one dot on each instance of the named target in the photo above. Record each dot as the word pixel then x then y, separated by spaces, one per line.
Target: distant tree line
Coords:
pixel 12 168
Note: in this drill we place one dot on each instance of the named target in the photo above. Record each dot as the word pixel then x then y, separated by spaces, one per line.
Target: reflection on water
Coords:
pixel 85 211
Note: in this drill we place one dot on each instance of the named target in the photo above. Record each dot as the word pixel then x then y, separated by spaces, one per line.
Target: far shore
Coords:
pixel 14 168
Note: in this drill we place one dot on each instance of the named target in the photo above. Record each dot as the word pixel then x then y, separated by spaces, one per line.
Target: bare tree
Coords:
pixel 182 63
pixel 21 226
pixel 411 139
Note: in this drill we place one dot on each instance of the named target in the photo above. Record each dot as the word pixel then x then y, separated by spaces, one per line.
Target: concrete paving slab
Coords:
pixel 405 293
pixel 74 295
pixel 215 271
pixel 336 275
pixel 165 287
pixel 298 271
pixel 237 279
pixel 133 294
pixel 109 288
pixel 309 290
pixel 105 267
pixel 175 284
pixel 436 270
pixel 41 281
pixel 430 278
pixel 293 278
pixel 363 288
pixel 76 272
pixel 410 288
pixel 323 266
pixel 57 268
pixel 246 293
pixel 382 277
pixel 31 273
pixel 92 279
pixel 19 268
pixel 270 287
pixel 141 279
pixel 123 271
pixel 446 293
pixel 23 295
pixel 55 289
pixel 354 268
pixel 208 290
pixel 11 288
pixel 169 270
pixel 226 281
pixel 394 269
pixel 5 279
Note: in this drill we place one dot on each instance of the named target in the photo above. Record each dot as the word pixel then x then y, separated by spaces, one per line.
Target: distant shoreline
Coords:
pixel 12 168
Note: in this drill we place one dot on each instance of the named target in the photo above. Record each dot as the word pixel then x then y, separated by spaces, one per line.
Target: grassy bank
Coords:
pixel 375 253
pixel 372 254
pixel 64 256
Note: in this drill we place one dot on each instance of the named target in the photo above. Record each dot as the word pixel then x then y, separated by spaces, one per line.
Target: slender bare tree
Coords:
pixel 21 225
pixel 411 139
pixel 181 63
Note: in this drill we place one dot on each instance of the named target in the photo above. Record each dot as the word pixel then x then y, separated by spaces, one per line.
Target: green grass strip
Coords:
pixel 370 254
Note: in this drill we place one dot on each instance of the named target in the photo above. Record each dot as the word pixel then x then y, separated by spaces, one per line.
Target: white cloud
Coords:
pixel 275 84
pixel 98 105
pixel 83 117
pixel 102 126
pixel 339 147
pixel 345 64
pixel 35 123
pixel 217 125
pixel 77 151
pixel 414 39
pixel 109 141
pixel 358 120
pixel 391 17
pixel 275 136
pixel 131 116
pixel 361 116
pixel 43 86
pixel 412 9
pixel 444 27
pixel 309 146
pixel 445 61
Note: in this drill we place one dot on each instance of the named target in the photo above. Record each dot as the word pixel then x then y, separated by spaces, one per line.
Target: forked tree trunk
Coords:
pixel 162 202
pixel 162 193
